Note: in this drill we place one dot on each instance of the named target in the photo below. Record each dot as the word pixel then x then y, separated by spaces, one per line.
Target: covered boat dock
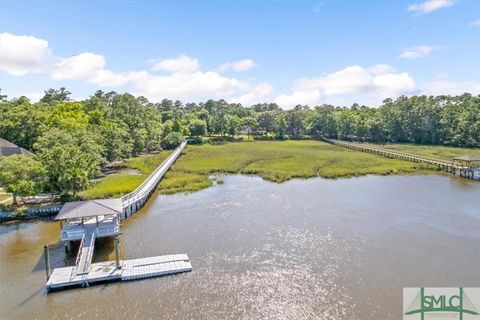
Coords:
pixel 101 217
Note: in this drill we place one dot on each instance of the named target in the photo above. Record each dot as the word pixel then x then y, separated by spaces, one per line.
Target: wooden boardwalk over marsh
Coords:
pixel 450 167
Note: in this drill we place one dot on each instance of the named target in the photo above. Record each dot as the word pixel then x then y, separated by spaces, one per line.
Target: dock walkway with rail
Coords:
pixel 450 167
pixel 88 220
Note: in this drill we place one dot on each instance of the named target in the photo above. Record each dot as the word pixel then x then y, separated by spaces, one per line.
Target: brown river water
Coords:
pixel 304 249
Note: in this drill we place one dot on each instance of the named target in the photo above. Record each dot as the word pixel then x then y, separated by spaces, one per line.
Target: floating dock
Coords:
pixel 136 269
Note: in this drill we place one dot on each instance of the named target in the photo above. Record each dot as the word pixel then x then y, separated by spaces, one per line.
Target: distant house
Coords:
pixel 9 149
pixel 259 133
pixel 245 130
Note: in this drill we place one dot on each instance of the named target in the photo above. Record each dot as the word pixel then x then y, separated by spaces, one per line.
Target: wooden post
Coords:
pixel 117 259
pixel 46 253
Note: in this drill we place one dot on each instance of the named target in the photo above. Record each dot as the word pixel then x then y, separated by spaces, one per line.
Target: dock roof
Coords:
pixel 90 208
pixel 7 149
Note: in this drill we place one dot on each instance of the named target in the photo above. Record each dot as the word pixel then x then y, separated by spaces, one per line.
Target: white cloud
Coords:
pixel 352 84
pixel 475 23
pixel 188 85
pixel 107 78
pixel 394 83
pixel 20 55
pixel 81 66
pixel 34 96
pixel 181 64
pixel 240 65
pixel 91 68
pixel 430 6
pixel 416 52
pixel 183 80
pixel 304 97
pixel 444 86
pixel 259 94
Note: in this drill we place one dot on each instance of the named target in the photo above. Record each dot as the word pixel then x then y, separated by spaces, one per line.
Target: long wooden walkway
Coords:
pixel 463 172
pixel 133 201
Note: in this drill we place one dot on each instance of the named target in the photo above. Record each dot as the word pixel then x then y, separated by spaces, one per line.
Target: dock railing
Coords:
pixel 462 171
pixel 152 180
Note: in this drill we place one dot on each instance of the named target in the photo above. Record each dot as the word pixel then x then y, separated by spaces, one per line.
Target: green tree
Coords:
pixel 21 175
pixel 295 120
pixel 266 121
pixel 219 123
pixel 22 123
pixel 321 121
pixel 198 127
pixel 177 125
pixel 71 159
pixel 69 115
pixel 233 125
pixel 250 124
pixel 53 96
pixel 172 140
pixel 280 127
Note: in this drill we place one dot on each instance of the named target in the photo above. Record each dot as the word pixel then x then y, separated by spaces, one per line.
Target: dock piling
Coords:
pixel 117 260
pixel 47 260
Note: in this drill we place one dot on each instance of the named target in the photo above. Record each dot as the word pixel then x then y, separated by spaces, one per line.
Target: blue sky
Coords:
pixel 290 52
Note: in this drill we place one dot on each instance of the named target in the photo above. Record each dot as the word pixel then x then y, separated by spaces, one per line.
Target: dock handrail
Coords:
pixel 80 250
pixel 448 166
pixel 155 176
pixel 88 259
pixel 73 274
pixel 90 251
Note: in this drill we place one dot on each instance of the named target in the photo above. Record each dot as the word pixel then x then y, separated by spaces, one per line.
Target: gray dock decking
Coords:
pixel 136 269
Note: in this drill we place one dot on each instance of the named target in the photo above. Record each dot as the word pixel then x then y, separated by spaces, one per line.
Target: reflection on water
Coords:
pixel 305 249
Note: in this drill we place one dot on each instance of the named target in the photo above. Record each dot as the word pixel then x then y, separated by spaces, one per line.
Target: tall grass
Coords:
pixel 117 185
pixel 276 161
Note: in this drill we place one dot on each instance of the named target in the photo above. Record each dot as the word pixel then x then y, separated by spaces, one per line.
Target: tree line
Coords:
pixel 71 140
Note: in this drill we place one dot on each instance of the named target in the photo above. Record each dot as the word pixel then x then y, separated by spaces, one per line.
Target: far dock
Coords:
pixel 465 167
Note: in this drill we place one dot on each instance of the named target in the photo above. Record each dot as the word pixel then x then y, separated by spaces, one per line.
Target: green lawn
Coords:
pixel 276 161
pixel 117 185
pixel 4 196
pixel 434 152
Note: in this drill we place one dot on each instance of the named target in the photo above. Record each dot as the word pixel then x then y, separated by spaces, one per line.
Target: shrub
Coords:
pixel 299 137
pixel 278 137
pixel 196 140
pixel 263 138
pixel 222 140
pixel 172 140
pixel 198 127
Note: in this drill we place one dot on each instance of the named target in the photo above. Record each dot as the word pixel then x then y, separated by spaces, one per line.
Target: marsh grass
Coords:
pixel 276 161
pixel 117 185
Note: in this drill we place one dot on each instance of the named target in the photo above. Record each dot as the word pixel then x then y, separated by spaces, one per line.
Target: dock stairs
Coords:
pixel 85 252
